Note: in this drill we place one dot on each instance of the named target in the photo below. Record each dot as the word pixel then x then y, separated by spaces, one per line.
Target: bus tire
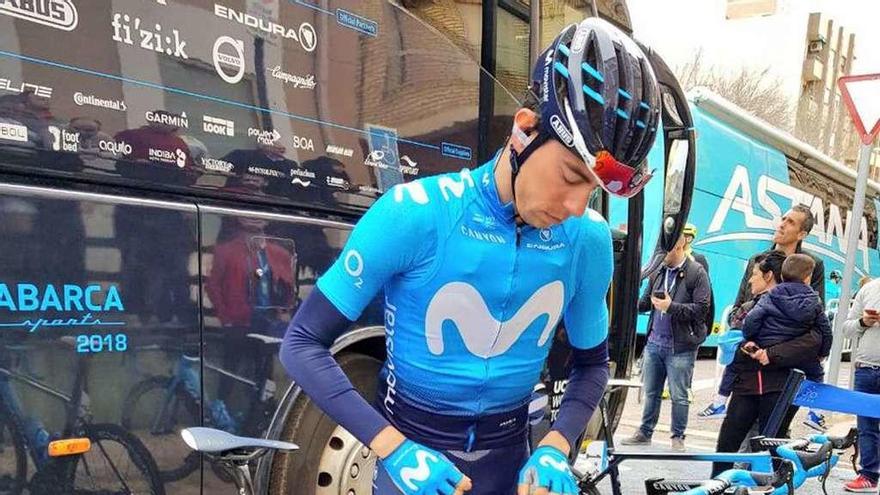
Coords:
pixel 330 459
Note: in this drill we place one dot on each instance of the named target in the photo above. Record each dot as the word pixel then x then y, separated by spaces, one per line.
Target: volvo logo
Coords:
pixel 229 59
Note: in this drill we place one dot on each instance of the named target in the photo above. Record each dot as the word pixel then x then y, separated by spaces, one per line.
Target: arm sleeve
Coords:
pixel 586 321
pixel 305 354
pixel 698 307
pixel 852 328
pixel 394 238
pixel 586 385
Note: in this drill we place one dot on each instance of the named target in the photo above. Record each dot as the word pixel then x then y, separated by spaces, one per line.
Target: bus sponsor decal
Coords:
pixel 134 32
pixel 58 14
pixel 738 201
pixel 83 301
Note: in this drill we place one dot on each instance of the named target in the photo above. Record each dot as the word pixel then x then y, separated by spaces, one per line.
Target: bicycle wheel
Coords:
pixel 13 456
pixel 117 464
pixel 156 417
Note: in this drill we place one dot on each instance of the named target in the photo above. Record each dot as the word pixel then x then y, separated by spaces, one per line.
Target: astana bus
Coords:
pixel 748 174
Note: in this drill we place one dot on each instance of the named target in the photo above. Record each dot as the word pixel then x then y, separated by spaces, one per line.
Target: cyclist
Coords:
pixel 478 267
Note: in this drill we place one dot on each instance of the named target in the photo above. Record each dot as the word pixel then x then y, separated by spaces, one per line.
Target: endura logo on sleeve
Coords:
pixel 58 14
pixel 464 306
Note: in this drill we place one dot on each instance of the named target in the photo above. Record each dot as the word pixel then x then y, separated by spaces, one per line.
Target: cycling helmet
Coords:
pixel 597 94
pixel 690 229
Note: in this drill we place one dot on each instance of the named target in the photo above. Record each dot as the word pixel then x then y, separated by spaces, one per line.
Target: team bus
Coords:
pixel 748 174
pixel 175 175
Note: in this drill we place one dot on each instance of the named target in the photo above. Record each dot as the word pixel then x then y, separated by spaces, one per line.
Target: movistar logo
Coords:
pixel 67 298
pixel 419 473
pixel 464 306
pixel 449 186
pixel 548 461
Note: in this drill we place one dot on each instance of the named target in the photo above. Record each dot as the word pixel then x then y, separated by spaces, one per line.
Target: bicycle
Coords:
pixel 232 453
pixel 161 406
pixel 796 464
pixel 116 462
pixel 760 460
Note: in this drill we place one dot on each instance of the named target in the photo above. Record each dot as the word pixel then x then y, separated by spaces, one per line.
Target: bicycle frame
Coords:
pixel 74 402
pixel 187 374
pixel 758 461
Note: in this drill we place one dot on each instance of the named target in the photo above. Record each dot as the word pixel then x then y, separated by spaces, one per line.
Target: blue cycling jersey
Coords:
pixel 472 300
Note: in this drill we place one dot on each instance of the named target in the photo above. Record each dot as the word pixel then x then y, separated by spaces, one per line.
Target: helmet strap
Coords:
pixel 518 159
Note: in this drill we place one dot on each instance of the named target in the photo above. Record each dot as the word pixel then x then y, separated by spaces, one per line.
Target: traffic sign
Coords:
pixel 861 95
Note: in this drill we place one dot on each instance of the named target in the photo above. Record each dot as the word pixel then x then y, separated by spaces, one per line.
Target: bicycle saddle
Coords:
pixel 213 441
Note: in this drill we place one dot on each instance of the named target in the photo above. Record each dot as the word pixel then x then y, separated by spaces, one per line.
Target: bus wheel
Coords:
pixel 330 459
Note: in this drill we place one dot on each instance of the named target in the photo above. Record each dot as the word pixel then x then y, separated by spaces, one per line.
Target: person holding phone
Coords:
pixel 790 312
pixel 678 299
pixel 863 323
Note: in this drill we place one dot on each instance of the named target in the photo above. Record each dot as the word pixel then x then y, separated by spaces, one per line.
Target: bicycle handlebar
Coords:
pixel 808 460
pixel 839 443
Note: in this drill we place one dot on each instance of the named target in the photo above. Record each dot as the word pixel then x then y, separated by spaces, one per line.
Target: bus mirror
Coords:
pixel 675 174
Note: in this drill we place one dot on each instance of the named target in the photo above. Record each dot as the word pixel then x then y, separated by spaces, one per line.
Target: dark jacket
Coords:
pixel 699 258
pixel 790 310
pixel 817 281
pixel 737 315
pixel 690 303
pixel 752 378
pixel 710 315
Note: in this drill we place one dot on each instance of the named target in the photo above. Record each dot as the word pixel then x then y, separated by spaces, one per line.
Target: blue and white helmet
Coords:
pixel 598 95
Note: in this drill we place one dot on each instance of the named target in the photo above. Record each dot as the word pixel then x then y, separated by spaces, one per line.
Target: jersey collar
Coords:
pixel 485 177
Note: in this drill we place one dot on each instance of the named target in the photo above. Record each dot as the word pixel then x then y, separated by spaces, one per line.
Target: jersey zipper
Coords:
pixel 472 430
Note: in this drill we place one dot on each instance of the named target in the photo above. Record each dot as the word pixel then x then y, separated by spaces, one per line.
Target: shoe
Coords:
pixel 861 485
pixel 677 444
pixel 816 421
pixel 713 412
pixel 637 438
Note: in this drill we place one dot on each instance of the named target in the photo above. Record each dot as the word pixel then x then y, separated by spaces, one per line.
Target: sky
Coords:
pixel 677 29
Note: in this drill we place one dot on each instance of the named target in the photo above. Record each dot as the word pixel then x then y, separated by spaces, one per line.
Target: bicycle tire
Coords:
pixel 145 397
pixel 105 464
pixel 12 443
